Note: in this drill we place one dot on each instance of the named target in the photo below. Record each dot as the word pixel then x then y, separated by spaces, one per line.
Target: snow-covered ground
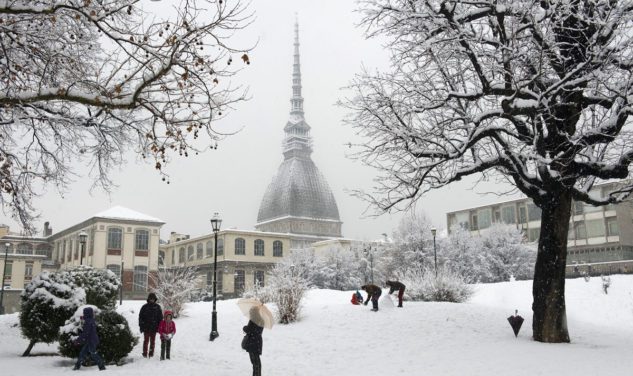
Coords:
pixel 337 338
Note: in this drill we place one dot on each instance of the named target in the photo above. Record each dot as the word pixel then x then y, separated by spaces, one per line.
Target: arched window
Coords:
pixel 24 249
pixel 190 253
pixel 141 242
pixel 278 248
pixel 259 247
pixel 240 246
pixel 209 248
pixel 140 278
pixel 199 251
pixel 220 247
pixel 115 236
pixel 116 269
pixel 181 255
pixel 161 257
pixel 173 256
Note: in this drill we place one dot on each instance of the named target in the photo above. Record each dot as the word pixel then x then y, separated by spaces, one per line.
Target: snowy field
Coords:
pixel 337 338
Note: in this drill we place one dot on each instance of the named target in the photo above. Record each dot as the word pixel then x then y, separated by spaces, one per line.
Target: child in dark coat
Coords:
pixel 149 318
pixel 253 341
pixel 166 330
pixel 89 340
pixel 373 293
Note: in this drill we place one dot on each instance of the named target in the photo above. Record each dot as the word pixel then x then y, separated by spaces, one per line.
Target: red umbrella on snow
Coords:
pixel 515 322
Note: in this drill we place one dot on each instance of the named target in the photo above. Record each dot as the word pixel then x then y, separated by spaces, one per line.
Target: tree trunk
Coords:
pixel 548 289
pixel 27 352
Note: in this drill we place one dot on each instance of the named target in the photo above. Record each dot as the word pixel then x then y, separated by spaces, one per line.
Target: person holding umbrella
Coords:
pixel 259 317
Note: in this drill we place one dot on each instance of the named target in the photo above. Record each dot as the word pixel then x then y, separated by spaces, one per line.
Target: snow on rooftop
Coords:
pixel 120 212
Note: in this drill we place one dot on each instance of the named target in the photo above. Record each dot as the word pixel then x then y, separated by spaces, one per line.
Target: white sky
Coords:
pixel 232 179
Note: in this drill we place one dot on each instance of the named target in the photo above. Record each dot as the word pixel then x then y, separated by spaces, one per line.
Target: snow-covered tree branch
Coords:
pixel 87 80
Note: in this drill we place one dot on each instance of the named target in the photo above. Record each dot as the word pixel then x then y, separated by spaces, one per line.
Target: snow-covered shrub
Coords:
pixel 287 287
pixel 47 302
pixel 448 286
pixel 174 287
pixel 101 285
pixel 116 340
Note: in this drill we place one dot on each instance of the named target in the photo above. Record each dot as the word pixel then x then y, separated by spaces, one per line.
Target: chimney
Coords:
pixel 48 231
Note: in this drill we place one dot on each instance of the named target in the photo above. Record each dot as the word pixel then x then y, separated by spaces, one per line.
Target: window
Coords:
pixel 240 246
pixel 190 253
pixel 508 214
pixel 141 242
pixel 258 278
pixel 209 278
pixel 218 288
pixel 28 270
pixel 43 250
pixel 278 248
pixel 259 247
pixel 534 212
pixel 522 214
pixel 181 255
pixel 613 228
pixel 595 228
pixel 473 222
pixel 220 247
pixel 8 269
pixel 199 251
pixel 580 230
pixel 577 208
pixel 115 235
pixel 485 218
pixel 173 256
pixel 140 278
pixel 209 248
pixel 240 277
pixel 533 234
pixel 116 269
pixel 161 258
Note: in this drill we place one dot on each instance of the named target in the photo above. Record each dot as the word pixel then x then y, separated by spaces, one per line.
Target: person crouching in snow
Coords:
pixel 373 293
pixel 357 298
pixel 395 285
pixel 89 340
pixel 166 331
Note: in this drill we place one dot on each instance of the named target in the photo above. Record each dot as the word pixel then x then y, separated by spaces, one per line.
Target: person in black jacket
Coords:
pixel 373 293
pixel 149 318
pixel 253 341
pixel 395 285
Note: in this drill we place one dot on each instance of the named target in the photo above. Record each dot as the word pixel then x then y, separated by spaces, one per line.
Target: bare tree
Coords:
pixel 174 286
pixel 533 92
pixel 87 80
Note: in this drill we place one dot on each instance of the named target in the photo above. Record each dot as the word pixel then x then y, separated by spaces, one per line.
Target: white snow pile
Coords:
pixel 335 337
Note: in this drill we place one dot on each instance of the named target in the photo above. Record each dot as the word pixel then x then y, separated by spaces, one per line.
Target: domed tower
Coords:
pixel 299 199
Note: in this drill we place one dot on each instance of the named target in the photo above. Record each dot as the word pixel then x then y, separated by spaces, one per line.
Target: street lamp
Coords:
pixel 215 224
pixel 82 239
pixel 370 253
pixel 4 270
pixel 434 231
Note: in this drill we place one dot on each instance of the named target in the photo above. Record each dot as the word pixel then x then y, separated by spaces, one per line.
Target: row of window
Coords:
pixel 114 241
pixel 139 279
pixel 8 270
pixel 239 280
pixel 198 253
pixel 581 230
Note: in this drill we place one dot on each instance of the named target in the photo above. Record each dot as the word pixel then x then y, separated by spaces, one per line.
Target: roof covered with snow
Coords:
pixel 123 213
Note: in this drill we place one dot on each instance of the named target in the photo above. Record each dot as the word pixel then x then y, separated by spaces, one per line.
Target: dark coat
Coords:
pixel 254 341
pixel 373 291
pixel 395 286
pixel 88 334
pixel 150 317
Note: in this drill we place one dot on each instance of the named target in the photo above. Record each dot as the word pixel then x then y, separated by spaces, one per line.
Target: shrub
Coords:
pixel 174 287
pixel 448 286
pixel 101 286
pixel 47 302
pixel 286 289
pixel 116 340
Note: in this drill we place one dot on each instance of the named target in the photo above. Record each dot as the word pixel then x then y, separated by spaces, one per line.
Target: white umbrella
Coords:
pixel 256 311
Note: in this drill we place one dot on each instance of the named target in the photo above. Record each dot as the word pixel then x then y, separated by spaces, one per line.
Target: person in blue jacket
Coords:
pixel 89 340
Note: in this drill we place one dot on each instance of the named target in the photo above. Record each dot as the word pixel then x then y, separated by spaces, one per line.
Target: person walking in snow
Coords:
pixel 254 342
pixel 149 318
pixel 89 340
pixel 166 331
pixel 373 293
pixel 395 285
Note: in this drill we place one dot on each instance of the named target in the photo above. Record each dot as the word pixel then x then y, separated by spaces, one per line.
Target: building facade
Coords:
pixel 25 257
pixel 600 238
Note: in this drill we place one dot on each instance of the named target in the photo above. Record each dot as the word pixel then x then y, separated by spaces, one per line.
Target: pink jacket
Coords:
pixel 165 328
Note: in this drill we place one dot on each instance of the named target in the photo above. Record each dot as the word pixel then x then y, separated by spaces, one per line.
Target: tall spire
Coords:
pixel 297 142
pixel 296 101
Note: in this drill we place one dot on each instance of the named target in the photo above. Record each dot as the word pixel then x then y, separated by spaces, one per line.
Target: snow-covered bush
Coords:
pixel 47 302
pixel 101 285
pixel 174 287
pixel 116 340
pixel 287 287
pixel 448 286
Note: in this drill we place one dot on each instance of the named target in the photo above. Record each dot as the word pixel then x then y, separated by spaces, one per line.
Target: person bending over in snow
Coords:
pixel 89 340
pixel 373 293
pixel 395 285
pixel 166 331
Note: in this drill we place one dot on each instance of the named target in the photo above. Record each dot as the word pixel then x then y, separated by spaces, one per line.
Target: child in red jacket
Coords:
pixel 166 330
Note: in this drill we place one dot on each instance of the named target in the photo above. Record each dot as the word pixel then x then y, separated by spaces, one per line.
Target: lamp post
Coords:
pixel 434 231
pixel 4 270
pixel 370 253
pixel 82 239
pixel 215 224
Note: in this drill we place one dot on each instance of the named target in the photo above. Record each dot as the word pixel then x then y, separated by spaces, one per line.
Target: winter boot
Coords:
pixel 76 367
pixel 101 368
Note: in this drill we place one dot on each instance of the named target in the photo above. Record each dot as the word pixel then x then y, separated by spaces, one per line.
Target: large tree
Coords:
pixel 534 92
pixel 84 81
